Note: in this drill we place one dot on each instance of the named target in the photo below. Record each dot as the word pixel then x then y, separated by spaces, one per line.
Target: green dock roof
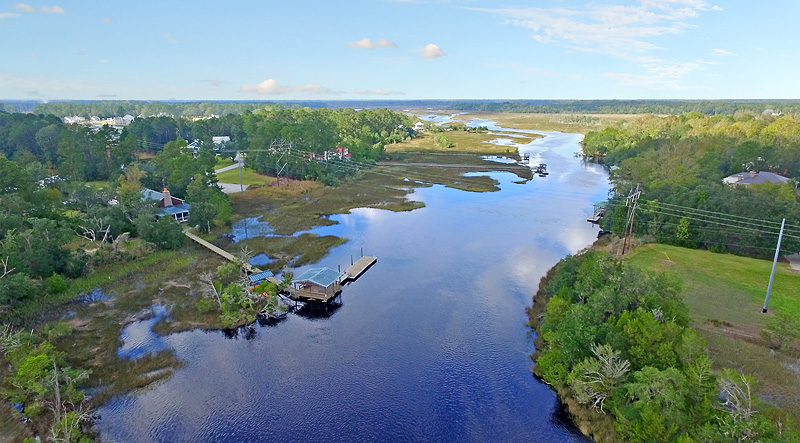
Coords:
pixel 321 276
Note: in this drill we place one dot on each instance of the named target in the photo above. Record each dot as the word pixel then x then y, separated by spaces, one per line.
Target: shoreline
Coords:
pixel 598 427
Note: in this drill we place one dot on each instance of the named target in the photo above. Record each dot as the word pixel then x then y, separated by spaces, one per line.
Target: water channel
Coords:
pixel 429 345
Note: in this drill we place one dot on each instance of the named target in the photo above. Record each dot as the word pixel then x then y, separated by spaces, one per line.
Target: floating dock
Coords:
pixel 353 272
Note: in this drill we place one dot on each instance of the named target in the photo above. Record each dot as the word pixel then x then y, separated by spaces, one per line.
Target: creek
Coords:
pixel 430 344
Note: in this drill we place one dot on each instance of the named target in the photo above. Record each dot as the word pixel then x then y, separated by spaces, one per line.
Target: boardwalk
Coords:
pixel 221 252
pixel 359 267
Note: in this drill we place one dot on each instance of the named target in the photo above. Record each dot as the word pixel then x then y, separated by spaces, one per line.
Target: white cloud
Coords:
pixel 432 51
pixel 377 92
pixel 366 43
pixel 170 38
pixel 784 55
pixel 103 61
pixel 660 76
pixel 8 15
pixel 623 31
pixel 24 8
pixel 107 21
pixel 719 51
pixel 271 86
pixel 716 8
pixel 55 9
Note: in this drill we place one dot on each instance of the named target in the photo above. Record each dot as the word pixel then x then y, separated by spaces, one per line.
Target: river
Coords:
pixel 429 345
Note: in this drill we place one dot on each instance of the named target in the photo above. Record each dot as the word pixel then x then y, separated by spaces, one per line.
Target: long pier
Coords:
pixel 250 269
pixel 356 269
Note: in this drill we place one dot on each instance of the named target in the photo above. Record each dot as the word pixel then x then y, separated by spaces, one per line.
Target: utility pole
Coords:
pixel 774 263
pixel 632 203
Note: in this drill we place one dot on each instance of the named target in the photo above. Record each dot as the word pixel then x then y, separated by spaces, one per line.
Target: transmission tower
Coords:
pixel 632 202
pixel 283 148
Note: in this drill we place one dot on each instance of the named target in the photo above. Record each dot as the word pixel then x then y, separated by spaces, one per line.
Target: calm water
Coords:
pixel 429 345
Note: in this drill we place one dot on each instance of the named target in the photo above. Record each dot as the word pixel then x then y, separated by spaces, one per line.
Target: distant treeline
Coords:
pixel 118 108
pixel 111 108
pixel 709 107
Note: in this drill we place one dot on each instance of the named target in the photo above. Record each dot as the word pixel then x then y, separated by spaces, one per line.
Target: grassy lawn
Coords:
pixel 725 294
pixel 249 177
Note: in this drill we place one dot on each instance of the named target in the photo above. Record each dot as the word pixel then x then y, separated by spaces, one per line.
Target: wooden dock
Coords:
pixel 598 214
pixel 314 294
pixel 353 272
pixel 250 269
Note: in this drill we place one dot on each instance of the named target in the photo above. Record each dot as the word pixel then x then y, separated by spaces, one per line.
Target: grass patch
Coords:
pixel 575 123
pixel 465 142
pixel 249 177
pixel 725 287
pixel 293 251
pixel 113 276
pixel 98 185
pixel 300 205
pixel 725 294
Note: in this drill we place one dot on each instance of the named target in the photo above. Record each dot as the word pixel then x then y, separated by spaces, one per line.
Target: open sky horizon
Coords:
pixel 399 49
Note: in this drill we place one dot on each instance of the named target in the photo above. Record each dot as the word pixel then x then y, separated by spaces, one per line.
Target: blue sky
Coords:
pixel 401 49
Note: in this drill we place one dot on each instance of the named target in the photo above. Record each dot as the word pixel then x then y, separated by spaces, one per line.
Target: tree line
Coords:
pixel 663 107
pixel 616 345
pixel 680 162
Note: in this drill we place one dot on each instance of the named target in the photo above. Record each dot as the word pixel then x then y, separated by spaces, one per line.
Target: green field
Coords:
pixel 249 177
pixel 725 294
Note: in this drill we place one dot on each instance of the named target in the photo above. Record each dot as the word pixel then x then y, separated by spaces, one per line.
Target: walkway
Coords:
pixel 250 269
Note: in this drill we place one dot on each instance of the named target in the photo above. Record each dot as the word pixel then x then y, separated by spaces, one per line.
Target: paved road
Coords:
pixel 231 188
pixel 228 168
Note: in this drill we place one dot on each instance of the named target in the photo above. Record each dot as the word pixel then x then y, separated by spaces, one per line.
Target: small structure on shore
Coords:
pixel 168 205
pixel 320 284
pixel 258 277
pixel 599 211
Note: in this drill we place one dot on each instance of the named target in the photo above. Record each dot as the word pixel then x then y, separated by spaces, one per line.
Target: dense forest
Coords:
pixel 615 343
pixel 680 161
pixel 46 204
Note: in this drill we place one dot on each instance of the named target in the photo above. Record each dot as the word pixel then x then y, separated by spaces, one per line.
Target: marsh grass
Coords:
pixel 293 251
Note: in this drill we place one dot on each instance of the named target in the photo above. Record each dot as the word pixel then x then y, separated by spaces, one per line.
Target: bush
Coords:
pixel 56 284
pixel 206 305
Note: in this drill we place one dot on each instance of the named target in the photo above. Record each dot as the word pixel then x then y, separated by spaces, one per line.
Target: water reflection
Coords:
pixel 431 345
pixel 138 337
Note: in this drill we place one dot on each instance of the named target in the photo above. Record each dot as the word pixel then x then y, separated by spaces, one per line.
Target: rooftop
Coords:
pixel 176 209
pixel 321 276
pixel 755 178
pixel 260 276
